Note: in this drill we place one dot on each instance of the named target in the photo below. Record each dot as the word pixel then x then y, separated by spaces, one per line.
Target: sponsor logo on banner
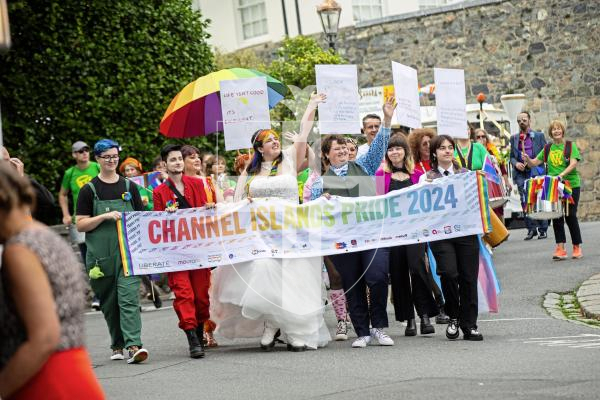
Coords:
pixel 274 252
pixel 231 256
pixel 213 258
pixel 414 235
pixel 447 229
pixel 340 245
pixel 354 243
pixel 386 238
pixel 435 232
pixel 257 251
pixel 425 232
pixel 403 236
pixel 457 228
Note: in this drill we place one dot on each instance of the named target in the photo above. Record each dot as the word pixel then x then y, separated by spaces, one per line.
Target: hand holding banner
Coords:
pixel 406 85
pixel 339 115
pixel 451 102
pixel 245 109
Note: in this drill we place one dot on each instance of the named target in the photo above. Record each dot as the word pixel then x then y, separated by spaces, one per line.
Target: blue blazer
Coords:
pixel 539 141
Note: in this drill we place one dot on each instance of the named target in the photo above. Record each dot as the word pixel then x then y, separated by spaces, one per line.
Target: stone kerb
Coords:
pixel 588 296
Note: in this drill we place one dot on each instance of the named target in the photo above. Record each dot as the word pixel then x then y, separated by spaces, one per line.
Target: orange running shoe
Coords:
pixel 559 253
pixel 577 251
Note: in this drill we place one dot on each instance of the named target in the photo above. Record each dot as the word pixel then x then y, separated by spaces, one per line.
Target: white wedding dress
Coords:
pixel 285 292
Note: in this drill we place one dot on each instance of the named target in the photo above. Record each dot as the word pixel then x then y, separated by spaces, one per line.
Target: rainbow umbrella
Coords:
pixel 196 110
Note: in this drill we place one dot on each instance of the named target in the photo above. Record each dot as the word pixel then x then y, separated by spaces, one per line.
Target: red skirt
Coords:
pixel 66 375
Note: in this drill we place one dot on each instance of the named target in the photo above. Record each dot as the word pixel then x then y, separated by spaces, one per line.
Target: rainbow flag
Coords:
pixel 484 203
pixel 124 247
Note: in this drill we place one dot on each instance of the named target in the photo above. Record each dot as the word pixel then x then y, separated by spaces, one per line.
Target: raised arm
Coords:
pixel 306 125
pixel 372 159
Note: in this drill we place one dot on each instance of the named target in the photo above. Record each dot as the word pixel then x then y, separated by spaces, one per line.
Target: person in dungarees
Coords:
pixel 101 203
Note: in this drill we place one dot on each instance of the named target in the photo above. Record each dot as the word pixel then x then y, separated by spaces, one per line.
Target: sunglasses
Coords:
pixel 84 150
pixel 481 137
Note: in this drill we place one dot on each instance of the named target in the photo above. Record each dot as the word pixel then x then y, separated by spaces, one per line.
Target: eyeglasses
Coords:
pixel 109 158
pixel 481 137
pixel 82 151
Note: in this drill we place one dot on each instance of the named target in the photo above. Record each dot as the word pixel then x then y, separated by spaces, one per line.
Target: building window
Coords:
pixel 364 10
pixel 253 15
pixel 429 4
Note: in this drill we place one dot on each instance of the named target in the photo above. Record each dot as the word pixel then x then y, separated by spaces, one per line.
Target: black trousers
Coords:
pixel 558 224
pixel 458 266
pixel 411 286
pixel 360 270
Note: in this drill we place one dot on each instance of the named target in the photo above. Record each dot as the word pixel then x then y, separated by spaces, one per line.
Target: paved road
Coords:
pixel 526 354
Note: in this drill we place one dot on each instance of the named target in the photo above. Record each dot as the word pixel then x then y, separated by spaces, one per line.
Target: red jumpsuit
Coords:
pixel 190 287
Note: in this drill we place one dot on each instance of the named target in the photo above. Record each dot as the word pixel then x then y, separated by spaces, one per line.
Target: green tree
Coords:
pixel 84 70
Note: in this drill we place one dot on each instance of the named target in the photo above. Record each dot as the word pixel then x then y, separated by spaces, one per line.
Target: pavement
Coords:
pixel 526 353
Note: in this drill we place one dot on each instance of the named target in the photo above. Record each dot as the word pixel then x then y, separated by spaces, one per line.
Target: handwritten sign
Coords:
pixel 339 114
pixel 406 84
pixel 245 108
pixel 450 102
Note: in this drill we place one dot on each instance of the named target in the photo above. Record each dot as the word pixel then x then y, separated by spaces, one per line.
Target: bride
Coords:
pixel 272 295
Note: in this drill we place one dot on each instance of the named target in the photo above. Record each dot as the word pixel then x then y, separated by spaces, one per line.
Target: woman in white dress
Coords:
pixel 269 295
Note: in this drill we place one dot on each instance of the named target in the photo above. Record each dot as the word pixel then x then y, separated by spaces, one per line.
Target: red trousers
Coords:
pixel 191 296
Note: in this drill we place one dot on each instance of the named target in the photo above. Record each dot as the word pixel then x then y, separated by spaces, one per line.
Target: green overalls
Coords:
pixel 118 294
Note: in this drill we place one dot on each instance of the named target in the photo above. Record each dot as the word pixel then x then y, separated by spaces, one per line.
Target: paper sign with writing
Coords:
pixel 340 113
pixel 450 102
pixel 406 84
pixel 245 108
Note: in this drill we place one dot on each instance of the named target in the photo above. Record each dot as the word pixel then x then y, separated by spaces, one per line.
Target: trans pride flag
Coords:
pixel 488 287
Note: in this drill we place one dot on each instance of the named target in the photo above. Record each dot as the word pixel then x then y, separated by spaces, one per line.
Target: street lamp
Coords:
pixel 329 13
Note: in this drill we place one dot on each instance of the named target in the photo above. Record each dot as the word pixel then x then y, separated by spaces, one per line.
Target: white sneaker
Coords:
pixel 117 355
pixel 341 332
pixel 361 342
pixel 268 337
pixel 382 338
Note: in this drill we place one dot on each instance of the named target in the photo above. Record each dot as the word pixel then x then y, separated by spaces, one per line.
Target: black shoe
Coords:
pixel 442 318
pixel 472 334
pixel 196 349
pixel 543 235
pixel 296 349
pixel 452 331
pixel 530 235
pixel 426 327
pixel 411 328
pixel 200 335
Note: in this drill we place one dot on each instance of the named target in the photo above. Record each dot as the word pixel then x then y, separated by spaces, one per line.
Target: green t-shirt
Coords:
pixel 557 162
pixel 75 178
pixel 479 154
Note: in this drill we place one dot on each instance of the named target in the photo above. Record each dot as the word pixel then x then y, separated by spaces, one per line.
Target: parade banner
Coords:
pixel 406 85
pixel 451 102
pixel 339 114
pixel 156 242
pixel 245 109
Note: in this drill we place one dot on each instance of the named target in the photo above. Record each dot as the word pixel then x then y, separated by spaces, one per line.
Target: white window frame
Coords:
pixel 261 19
pixel 358 7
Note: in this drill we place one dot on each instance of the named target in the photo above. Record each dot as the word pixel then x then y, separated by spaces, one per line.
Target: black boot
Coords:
pixel 426 327
pixel 442 318
pixel 196 349
pixel 411 328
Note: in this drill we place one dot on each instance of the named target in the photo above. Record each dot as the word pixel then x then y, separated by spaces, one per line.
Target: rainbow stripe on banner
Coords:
pixel 483 202
pixel 124 247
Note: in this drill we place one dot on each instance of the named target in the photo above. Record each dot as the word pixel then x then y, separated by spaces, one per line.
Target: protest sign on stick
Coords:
pixel 406 84
pixel 450 102
pixel 245 108
pixel 339 114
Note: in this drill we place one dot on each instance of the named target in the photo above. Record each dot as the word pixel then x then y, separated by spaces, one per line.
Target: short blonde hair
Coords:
pixel 556 123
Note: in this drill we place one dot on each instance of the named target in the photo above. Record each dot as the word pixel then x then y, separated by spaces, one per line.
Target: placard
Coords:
pixel 406 85
pixel 451 102
pixel 245 109
pixel 340 113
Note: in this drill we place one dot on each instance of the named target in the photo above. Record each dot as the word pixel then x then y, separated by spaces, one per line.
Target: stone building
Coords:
pixel 546 49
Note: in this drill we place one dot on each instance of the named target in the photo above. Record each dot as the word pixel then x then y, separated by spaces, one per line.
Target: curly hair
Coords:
pixel 414 141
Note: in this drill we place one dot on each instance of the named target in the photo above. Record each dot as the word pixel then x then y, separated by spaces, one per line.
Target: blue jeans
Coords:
pixel 532 225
